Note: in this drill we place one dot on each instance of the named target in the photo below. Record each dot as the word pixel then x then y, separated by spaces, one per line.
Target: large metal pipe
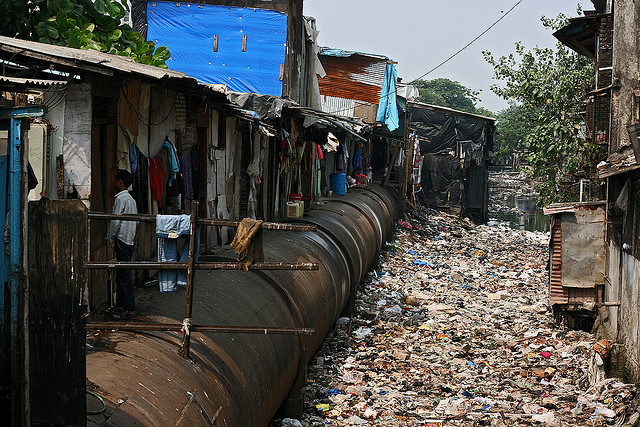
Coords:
pixel 235 379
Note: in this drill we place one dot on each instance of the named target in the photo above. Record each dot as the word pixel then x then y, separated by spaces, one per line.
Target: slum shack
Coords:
pixel 363 85
pixel 456 148
pixel 576 258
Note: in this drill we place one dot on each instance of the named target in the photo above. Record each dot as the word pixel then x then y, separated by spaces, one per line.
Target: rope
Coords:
pixel 186 324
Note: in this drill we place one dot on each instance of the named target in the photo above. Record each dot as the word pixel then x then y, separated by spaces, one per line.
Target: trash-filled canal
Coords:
pixel 453 328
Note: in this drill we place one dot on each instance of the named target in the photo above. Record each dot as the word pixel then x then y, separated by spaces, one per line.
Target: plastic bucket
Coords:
pixel 339 183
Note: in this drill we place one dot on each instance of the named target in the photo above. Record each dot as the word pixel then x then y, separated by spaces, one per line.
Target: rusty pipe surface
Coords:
pixel 241 379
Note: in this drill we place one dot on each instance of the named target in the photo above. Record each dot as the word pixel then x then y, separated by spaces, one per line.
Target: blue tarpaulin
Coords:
pixel 189 31
pixel 388 108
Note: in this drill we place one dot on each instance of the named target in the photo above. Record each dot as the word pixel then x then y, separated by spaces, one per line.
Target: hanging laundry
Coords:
pixel 123 148
pixel 197 181
pixel 140 178
pixel 172 153
pixel 332 143
pixel 319 157
pixel 174 192
pixel 168 229
pixel 163 157
pixel 133 157
pixel 357 160
pixel 185 166
pixel 156 177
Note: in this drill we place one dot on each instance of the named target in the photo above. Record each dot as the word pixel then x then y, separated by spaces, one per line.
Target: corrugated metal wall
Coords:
pixel 339 106
pixel 356 77
pixel 557 294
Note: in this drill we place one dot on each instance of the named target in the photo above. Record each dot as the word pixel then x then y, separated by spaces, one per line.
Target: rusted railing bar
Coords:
pixel 152 265
pixel 265 225
pixel 167 265
pixel 139 217
pixel 120 326
pixel 206 221
pixel 257 266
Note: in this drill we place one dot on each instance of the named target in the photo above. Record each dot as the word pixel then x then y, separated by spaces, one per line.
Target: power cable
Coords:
pixel 453 55
pixel 470 43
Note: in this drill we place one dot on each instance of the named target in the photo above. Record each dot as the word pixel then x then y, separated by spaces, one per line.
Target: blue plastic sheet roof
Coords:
pixel 189 30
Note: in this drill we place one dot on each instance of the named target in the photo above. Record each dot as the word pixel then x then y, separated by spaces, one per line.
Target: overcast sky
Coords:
pixel 419 34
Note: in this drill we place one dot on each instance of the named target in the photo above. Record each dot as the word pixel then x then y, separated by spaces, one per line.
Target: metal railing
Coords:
pixel 191 266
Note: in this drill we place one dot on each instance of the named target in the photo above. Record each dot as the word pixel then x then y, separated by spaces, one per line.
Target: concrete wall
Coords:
pixel 76 144
pixel 622 323
pixel 629 320
pixel 626 72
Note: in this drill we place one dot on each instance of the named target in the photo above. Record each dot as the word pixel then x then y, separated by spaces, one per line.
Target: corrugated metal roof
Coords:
pixel 31 82
pixel 356 77
pixel 91 58
pixel 557 208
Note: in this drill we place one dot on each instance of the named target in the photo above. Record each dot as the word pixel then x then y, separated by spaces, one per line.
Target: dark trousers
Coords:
pixel 124 279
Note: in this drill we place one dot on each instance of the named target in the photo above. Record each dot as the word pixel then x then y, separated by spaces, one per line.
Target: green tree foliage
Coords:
pixel 549 86
pixel 83 24
pixel 447 93
pixel 514 124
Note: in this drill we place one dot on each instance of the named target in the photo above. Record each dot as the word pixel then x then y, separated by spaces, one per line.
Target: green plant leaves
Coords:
pixel 85 24
pixel 547 87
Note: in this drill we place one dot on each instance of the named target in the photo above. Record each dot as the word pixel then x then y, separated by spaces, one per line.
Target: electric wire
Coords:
pixel 471 42
pixel 451 56
pixel 173 105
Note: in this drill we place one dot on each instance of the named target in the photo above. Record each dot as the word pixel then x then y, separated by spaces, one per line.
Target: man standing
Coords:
pixel 120 236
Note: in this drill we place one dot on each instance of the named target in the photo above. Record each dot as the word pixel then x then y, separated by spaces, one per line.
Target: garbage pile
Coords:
pixel 453 329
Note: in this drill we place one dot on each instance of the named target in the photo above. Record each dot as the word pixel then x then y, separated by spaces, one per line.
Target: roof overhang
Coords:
pixel 557 208
pixel 580 34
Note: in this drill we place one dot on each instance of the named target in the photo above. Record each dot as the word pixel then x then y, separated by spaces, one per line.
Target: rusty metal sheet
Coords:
pixel 557 294
pixel 18 81
pixel 583 248
pixel 88 57
pixel 354 77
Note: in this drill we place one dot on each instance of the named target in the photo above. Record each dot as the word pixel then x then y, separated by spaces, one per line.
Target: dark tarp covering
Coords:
pixel 456 146
pixel 477 190
pixel 436 129
pixel 439 130
pixel 441 181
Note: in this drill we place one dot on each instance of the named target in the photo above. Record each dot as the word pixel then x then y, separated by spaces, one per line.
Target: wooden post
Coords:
pixel 58 233
pixel 188 309
pixel 391 166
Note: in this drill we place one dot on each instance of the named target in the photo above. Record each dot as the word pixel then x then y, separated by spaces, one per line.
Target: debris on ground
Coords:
pixel 454 329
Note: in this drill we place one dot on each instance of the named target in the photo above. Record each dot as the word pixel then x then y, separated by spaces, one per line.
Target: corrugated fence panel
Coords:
pixel 557 294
